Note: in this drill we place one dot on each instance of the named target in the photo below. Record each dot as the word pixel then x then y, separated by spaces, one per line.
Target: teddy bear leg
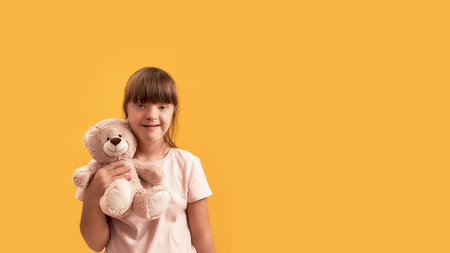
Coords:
pixel 151 204
pixel 117 198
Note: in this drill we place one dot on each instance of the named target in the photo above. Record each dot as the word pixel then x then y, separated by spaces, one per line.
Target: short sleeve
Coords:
pixel 79 194
pixel 198 185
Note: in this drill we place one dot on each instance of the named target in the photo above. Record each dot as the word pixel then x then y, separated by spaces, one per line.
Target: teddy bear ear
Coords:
pixel 88 135
pixel 125 123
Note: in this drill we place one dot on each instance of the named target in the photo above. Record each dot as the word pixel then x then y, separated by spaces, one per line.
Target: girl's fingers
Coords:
pixel 127 177
pixel 113 165
pixel 119 170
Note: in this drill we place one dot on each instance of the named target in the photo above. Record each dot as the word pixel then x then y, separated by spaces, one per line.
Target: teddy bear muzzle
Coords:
pixel 115 147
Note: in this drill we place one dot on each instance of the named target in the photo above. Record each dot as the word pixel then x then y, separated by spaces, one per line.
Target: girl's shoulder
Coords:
pixel 184 155
pixel 185 161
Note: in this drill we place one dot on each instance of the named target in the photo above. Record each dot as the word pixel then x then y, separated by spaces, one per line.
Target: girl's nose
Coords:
pixel 151 114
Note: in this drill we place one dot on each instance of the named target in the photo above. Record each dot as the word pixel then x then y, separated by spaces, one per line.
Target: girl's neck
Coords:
pixel 151 151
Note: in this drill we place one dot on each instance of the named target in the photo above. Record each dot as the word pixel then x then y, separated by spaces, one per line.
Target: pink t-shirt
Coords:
pixel 186 181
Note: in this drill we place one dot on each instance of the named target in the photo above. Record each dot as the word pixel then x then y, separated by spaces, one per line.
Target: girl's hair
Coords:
pixel 153 85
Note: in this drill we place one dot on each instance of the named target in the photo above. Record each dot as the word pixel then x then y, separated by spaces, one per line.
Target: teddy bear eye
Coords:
pixel 107 139
pixel 120 135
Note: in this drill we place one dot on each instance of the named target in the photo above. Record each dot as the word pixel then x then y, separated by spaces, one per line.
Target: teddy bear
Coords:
pixel 112 140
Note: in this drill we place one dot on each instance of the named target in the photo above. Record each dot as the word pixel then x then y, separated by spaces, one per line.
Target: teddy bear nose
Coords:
pixel 115 141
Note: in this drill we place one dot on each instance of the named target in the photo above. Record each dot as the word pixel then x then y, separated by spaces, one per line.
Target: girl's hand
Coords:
pixel 103 178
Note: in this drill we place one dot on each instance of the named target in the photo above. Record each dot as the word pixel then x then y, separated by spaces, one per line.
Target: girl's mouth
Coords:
pixel 150 126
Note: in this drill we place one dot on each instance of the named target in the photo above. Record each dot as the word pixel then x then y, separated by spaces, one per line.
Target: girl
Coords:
pixel 150 105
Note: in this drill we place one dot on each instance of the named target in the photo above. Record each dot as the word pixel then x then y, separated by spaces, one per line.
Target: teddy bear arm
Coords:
pixel 150 173
pixel 83 175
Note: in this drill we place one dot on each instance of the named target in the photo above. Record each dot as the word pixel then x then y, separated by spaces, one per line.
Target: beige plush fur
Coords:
pixel 112 140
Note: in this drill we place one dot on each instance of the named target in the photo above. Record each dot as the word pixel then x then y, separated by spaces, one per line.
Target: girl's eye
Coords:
pixel 140 105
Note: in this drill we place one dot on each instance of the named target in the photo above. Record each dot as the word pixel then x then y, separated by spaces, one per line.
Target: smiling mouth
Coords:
pixel 150 125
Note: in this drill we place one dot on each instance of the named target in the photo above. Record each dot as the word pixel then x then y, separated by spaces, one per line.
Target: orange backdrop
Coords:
pixel 322 126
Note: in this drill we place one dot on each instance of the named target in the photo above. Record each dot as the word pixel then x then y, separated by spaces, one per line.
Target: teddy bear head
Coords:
pixel 110 140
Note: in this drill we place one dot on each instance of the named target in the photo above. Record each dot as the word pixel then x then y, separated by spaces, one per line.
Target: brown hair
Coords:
pixel 153 85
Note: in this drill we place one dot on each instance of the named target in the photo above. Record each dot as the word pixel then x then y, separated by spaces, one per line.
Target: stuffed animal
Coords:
pixel 112 140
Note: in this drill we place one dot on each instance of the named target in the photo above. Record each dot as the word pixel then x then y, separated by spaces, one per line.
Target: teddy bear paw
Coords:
pixel 117 198
pixel 80 178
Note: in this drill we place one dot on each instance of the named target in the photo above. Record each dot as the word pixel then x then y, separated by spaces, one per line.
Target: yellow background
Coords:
pixel 322 126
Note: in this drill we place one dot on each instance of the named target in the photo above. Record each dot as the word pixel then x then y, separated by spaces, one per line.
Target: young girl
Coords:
pixel 150 105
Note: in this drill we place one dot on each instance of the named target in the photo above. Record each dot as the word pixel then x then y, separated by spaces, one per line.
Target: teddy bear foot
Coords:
pixel 151 205
pixel 117 198
pixel 158 204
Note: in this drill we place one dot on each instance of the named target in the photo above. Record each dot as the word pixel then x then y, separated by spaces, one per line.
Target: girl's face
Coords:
pixel 149 122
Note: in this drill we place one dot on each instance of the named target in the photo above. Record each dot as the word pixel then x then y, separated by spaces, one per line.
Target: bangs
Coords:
pixel 151 87
pixel 155 93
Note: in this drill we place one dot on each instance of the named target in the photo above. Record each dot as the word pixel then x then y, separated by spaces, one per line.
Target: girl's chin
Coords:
pixel 151 138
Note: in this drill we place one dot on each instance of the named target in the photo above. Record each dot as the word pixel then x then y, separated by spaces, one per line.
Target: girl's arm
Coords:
pixel 94 224
pixel 198 218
